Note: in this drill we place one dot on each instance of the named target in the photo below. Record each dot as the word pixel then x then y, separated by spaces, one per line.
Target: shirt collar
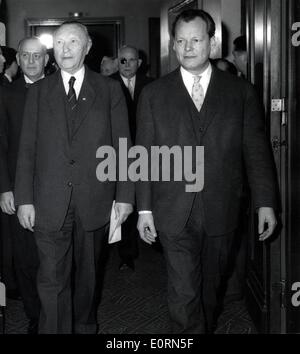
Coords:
pixel 29 81
pixel 79 76
pixel 8 77
pixel 188 78
pixel 125 80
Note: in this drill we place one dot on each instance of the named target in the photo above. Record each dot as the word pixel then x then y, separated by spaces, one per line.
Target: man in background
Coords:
pixel 240 55
pixel 11 66
pixel 132 83
pixel 108 66
pixel 2 65
pixel 32 58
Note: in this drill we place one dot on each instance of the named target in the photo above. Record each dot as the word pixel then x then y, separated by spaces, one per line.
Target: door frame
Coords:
pixel 266 32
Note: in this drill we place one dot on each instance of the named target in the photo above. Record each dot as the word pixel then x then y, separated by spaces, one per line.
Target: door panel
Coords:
pixel 293 171
pixel 266 20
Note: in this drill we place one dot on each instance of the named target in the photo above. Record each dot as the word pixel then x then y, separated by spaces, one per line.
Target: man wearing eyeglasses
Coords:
pixel 131 80
pixel 32 57
pixel 132 83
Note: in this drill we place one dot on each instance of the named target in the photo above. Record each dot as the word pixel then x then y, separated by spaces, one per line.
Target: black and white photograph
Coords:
pixel 149 170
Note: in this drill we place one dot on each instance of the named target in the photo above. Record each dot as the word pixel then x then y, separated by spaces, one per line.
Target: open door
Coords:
pixel 272 64
pixel 293 167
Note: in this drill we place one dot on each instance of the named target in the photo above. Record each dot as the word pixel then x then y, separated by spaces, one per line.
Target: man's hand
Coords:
pixel 26 215
pixel 146 228
pixel 122 212
pixel 266 215
pixel 7 203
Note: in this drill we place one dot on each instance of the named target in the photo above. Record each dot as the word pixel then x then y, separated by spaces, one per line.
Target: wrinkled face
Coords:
pixel 128 62
pixel 240 61
pixel 71 45
pixel 2 61
pixel 32 59
pixel 192 45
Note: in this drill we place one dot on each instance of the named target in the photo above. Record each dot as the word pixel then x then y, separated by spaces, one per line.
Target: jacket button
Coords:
pixel 72 162
pixel 201 129
pixel 70 184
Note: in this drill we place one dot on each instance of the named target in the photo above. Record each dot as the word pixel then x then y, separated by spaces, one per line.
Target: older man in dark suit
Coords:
pixel 32 58
pixel 198 105
pixel 67 117
pixel 132 83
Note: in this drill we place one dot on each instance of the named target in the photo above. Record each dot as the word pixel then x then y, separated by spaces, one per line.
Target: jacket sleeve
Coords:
pixel 5 180
pixel 145 139
pixel 257 153
pixel 125 192
pixel 27 150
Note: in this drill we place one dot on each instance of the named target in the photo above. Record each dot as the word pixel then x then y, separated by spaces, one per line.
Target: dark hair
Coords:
pixel 240 44
pixel 9 55
pixel 190 15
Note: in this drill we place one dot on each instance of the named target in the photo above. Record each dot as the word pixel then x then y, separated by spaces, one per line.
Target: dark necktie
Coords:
pixel 72 94
pixel 27 84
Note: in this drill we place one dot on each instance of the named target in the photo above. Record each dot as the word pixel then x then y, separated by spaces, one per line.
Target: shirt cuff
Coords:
pixel 145 212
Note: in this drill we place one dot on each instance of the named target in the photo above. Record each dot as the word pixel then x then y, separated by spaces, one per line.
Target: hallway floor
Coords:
pixel 135 302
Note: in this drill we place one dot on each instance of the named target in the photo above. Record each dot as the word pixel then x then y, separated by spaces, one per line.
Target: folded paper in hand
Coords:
pixel 114 231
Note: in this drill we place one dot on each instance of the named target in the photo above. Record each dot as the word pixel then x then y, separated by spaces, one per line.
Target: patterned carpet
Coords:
pixel 135 302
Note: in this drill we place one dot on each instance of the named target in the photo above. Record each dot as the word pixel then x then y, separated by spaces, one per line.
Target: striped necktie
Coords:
pixel 72 94
pixel 197 93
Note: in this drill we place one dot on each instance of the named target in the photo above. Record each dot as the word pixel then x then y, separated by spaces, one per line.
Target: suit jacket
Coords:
pixel 51 165
pixel 231 129
pixel 5 82
pixel 12 101
pixel 140 83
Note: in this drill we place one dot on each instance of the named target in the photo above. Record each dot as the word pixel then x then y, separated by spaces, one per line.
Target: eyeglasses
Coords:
pixel 125 61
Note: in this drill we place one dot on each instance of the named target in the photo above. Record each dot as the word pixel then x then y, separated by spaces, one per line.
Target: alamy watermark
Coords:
pixel 159 163
pixel 296 35
pixel 296 296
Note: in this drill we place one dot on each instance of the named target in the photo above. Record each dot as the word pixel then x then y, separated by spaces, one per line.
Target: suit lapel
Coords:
pixel 85 100
pixel 125 90
pixel 182 102
pixel 57 97
pixel 212 102
pixel 211 105
pixel 138 87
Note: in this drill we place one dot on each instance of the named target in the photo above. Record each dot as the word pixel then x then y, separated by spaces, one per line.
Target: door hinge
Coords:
pixel 277 144
pixel 279 105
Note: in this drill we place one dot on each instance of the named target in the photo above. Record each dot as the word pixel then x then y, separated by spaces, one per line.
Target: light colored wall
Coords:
pixel 135 13
pixel 231 18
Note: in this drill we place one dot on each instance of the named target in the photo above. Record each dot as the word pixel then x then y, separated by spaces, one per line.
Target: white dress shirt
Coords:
pixel 28 81
pixel 188 80
pixel 125 80
pixel 8 77
pixel 79 76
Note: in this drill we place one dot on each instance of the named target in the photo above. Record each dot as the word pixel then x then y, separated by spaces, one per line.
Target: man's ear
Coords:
pixel 173 44
pixel 213 46
pixel 140 62
pixel 46 59
pixel 89 45
pixel 18 58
